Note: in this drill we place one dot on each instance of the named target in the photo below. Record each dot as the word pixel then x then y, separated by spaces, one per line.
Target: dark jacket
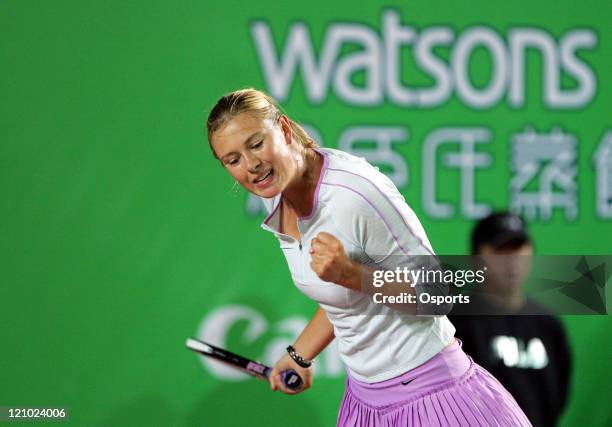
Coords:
pixel 528 353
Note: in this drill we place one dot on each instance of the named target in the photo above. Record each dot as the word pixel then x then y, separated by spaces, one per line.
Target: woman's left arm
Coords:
pixel 330 262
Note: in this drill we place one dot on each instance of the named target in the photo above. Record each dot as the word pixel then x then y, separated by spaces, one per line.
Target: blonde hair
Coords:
pixel 256 103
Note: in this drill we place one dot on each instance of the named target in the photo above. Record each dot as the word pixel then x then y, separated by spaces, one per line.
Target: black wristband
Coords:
pixel 297 358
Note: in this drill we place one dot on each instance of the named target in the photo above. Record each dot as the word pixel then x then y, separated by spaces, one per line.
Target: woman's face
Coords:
pixel 257 153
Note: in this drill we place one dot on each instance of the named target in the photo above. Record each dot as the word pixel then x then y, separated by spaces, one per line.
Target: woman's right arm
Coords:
pixel 314 338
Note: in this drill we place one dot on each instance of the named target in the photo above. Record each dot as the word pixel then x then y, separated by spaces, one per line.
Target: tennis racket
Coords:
pixel 290 378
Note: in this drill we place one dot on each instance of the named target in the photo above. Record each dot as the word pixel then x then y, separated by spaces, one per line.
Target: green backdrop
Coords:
pixel 121 235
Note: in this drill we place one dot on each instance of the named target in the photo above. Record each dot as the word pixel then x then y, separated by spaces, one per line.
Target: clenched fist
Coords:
pixel 330 263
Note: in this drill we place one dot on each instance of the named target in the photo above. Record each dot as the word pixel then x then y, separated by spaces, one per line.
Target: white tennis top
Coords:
pixel 362 208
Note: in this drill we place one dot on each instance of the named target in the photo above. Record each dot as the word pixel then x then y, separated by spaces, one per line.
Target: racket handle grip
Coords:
pixel 291 379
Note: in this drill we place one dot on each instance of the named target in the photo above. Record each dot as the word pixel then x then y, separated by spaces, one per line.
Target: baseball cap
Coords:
pixel 499 229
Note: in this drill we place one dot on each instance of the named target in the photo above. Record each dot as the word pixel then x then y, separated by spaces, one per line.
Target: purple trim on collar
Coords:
pixel 271 214
pixel 379 213
pixel 316 194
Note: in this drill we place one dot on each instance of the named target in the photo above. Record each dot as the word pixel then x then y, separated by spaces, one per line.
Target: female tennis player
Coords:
pixel 338 220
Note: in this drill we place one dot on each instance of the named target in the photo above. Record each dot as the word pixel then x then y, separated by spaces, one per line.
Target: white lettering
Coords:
pixel 369 60
pixel 379 58
pixel 466 44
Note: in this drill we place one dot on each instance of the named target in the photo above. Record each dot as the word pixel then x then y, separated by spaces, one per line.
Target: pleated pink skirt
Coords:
pixel 447 390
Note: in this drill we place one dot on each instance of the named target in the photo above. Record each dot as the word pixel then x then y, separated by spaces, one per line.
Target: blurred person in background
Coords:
pixel 508 334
